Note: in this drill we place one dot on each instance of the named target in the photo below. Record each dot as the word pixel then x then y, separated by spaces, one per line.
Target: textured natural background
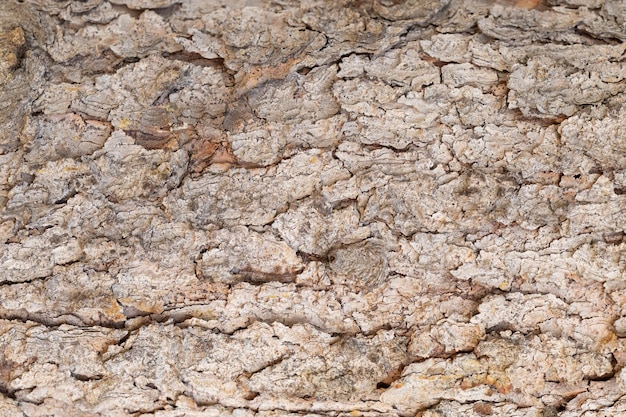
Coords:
pixel 312 208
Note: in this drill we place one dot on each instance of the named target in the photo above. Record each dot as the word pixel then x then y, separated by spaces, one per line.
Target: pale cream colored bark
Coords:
pixel 322 208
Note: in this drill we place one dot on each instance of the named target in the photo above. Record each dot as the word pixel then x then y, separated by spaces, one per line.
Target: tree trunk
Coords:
pixel 323 208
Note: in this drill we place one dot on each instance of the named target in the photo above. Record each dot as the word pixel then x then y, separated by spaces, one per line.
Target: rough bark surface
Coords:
pixel 320 208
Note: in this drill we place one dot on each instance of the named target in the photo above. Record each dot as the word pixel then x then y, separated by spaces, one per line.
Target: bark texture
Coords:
pixel 321 208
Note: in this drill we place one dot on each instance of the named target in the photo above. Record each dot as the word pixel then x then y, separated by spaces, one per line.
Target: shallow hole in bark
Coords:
pixel 304 70
pixel 251 395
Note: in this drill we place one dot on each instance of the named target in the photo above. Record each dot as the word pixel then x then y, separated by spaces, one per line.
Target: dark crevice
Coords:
pixel 54 322
pixel 607 375
pixel 123 9
pixel 304 70
pixel 196 59
pixel 251 395
pixel 260 278
pixel 167 12
pixel 268 365
pixel 28 281
pixel 84 378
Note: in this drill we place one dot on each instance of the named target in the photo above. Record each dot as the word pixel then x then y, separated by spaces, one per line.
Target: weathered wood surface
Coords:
pixel 321 208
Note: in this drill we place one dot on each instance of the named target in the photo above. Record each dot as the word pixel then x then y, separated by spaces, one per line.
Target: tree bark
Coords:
pixel 321 208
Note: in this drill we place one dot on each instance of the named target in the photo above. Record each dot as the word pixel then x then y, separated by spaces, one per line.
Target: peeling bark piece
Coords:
pixel 420 10
pixel 445 339
pixel 125 36
pixel 448 47
pixel 458 75
pixel 405 67
pixel 564 91
pixel 17 265
pixel 226 36
pixel 424 384
pixel 520 25
pixel 147 4
pixel 67 136
pixel 91 11
pixel 346 22
pixel 153 127
pixel 610 23
pixel 151 179
pixel 299 98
